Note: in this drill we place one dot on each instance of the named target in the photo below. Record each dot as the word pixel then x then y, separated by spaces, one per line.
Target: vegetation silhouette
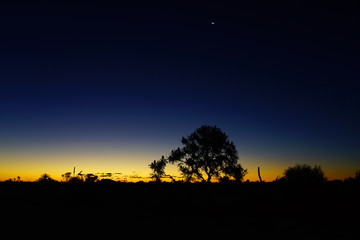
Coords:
pixel 357 175
pixel 81 177
pixel 206 154
pixel 270 208
pixel 304 174
pixel 73 178
pixel 91 178
pixel 66 176
pixel 17 179
pixel 260 179
pixel 158 169
pixel 330 210
pixel 317 208
pixel 354 180
pixel 45 178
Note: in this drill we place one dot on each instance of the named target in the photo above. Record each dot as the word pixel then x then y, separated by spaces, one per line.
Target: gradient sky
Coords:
pixel 109 87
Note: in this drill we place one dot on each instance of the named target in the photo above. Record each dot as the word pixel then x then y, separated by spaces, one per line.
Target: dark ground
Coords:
pixel 123 210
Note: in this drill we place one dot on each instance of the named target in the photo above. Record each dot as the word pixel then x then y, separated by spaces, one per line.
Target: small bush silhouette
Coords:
pixel 304 174
pixel 45 178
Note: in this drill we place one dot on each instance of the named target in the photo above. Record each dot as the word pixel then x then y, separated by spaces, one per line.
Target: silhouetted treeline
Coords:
pixel 300 174
pixel 300 204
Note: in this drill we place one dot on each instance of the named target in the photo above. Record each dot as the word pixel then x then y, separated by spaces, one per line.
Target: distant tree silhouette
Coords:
pixel 304 174
pixel 206 154
pixel 73 178
pixel 17 179
pixel 355 179
pixel 108 181
pixel 76 180
pixel 357 175
pixel 45 178
pixel 66 176
pixel 158 169
pixel 90 178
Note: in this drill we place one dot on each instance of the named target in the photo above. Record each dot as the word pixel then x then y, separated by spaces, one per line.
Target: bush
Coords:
pixel 304 174
pixel 45 178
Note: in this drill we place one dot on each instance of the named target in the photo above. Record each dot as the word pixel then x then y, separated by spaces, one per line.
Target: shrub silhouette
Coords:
pixel 206 154
pixel 91 178
pixel 304 174
pixel 45 178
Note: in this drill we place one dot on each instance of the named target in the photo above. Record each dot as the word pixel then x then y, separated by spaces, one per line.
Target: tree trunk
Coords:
pixel 259 174
pixel 209 178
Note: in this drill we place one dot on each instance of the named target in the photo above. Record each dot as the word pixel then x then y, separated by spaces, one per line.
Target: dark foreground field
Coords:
pixel 124 210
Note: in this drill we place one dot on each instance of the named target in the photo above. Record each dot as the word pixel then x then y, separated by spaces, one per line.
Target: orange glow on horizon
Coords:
pixel 30 165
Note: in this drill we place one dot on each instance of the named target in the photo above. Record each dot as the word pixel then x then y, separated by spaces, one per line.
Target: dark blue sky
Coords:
pixel 276 77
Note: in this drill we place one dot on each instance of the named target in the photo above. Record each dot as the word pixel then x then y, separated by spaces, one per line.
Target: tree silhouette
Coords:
pixel 66 176
pixel 158 169
pixel 236 171
pixel 304 174
pixel 207 153
pixel 73 178
pixel 357 175
pixel 90 178
pixel 355 179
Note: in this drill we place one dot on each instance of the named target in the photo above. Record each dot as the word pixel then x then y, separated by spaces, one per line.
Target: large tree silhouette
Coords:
pixel 207 153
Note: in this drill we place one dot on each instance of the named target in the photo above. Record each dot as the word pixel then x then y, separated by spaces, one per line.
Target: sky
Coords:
pixel 108 86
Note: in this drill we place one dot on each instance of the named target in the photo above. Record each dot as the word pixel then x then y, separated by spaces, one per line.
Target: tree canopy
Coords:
pixel 207 154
